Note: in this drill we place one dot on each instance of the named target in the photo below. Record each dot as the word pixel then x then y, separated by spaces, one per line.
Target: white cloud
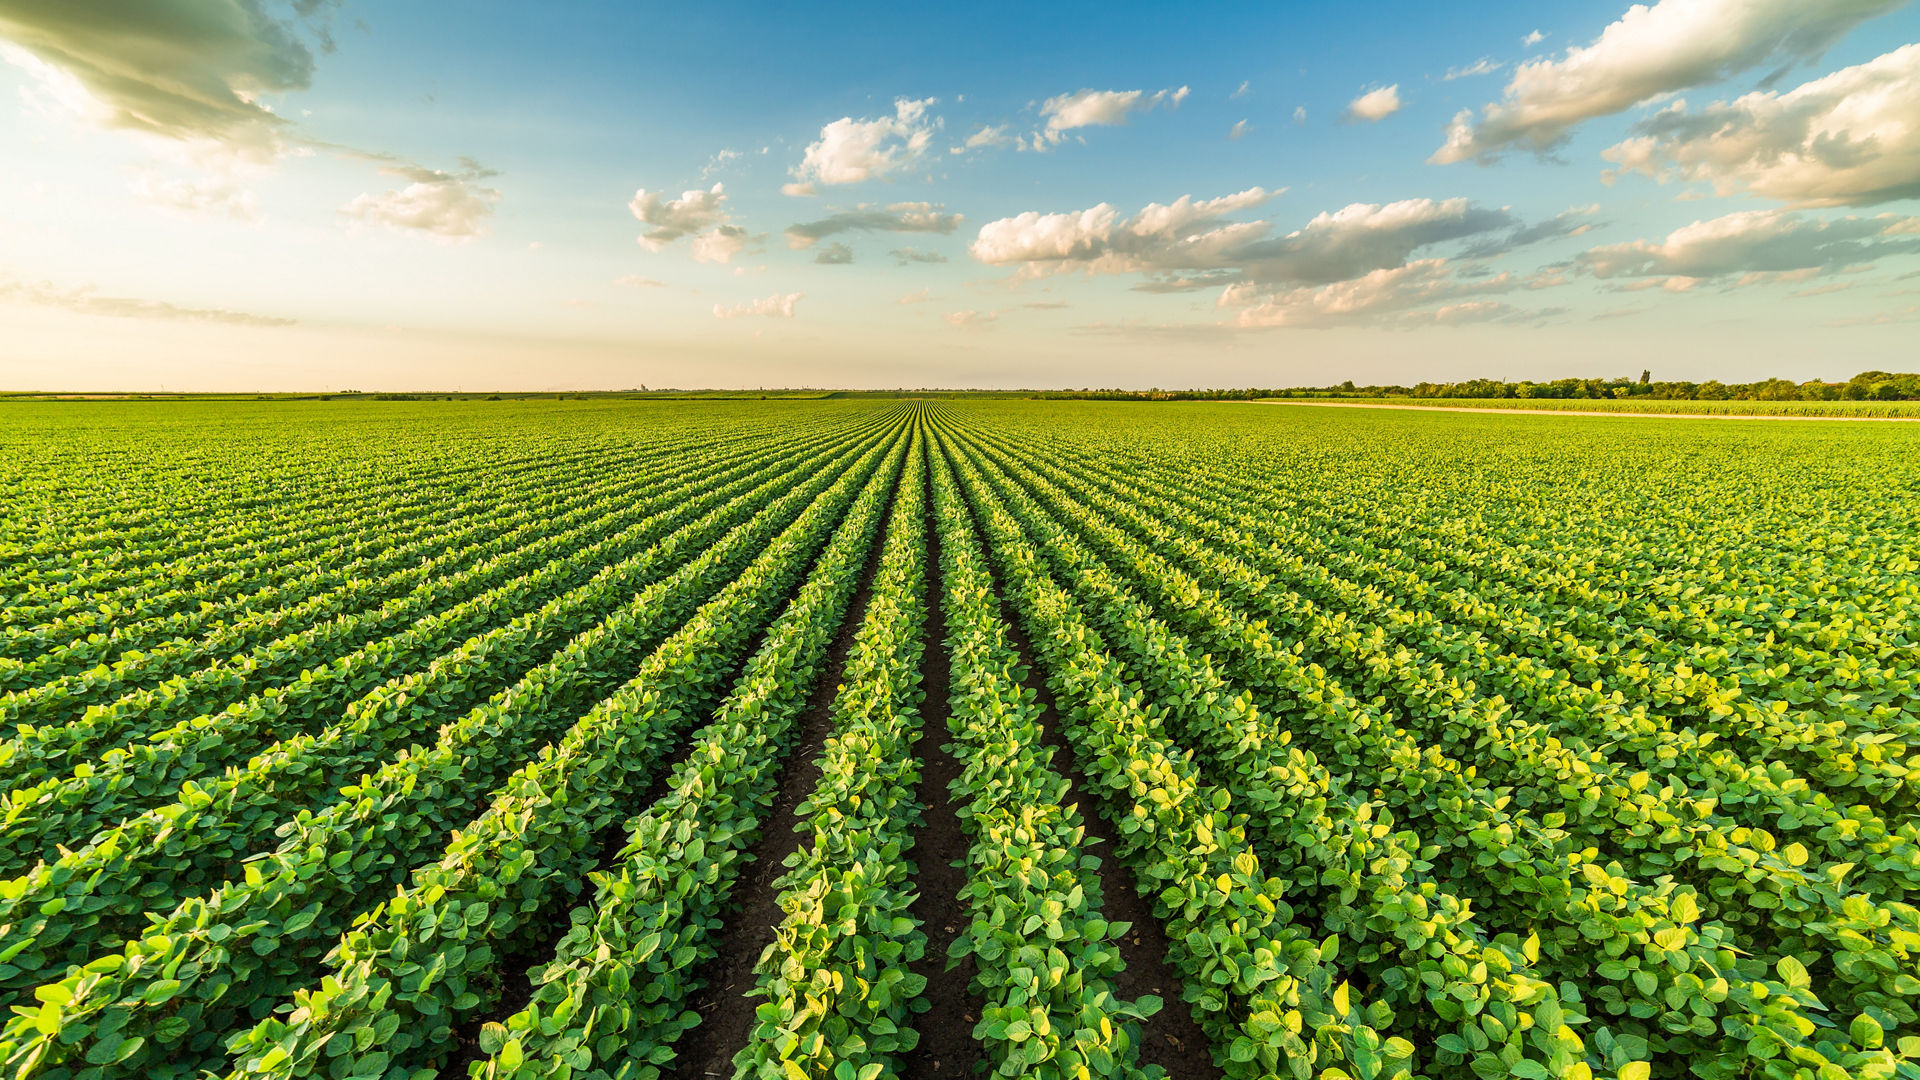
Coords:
pixel 1533 38
pixel 84 300
pixel 1850 138
pixel 700 214
pixel 971 319
pixel 1185 232
pixel 1190 244
pixel 1097 108
pixel 1649 51
pixel 635 281
pixel 918 296
pixel 797 190
pixel 1757 245
pixel 1383 295
pixel 718 244
pixel 983 137
pixel 1375 105
pixel 1362 237
pixel 1482 66
pixel 693 212
pixel 849 151
pixel 1239 130
pixel 447 206
pixel 185 70
pixel 907 217
pixel 834 254
pixel 777 306
pixel 1246 87
pixel 1300 115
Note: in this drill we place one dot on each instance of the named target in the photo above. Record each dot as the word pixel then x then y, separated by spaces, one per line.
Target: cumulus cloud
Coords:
pixel 1300 116
pixel 1239 130
pixel 1183 233
pixel 1374 105
pixel 86 301
pixel 904 256
pixel 918 296
pixel 905 217
pixel 1362 237
pixel 1246 87
pixel 1363 263
pixel 446 205
pixel 718 244
pixel 1851 138
pixel 835 254
pixel 1096 108
pixel 186 70
pixel 693 212
pixel 1753 246
pixel 1384 295
pixel 1649 51
pixel 1191 244
pixel 1534 37
pixel 700 214
pixel 849 151
pixel 777 306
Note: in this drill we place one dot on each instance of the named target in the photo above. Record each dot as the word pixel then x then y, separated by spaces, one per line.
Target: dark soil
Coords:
pixel 947 1047
pixel 726 1013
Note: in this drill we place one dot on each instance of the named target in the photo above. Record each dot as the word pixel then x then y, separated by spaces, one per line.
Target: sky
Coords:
pixel 271 195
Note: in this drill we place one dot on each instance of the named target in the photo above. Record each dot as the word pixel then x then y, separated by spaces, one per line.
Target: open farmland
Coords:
pixel 854 739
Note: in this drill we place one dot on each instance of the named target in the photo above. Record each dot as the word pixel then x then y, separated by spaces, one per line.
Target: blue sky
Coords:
pixel 496 195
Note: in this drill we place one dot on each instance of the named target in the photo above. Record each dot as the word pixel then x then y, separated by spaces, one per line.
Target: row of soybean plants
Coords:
pixel 1818 660
pixel 304 675
pixel 197 574
pixel 1682 1009
pixel 838 979
pixel 1842 612
pixel 107 572
pixel 72 662
pixel 322 554
pixel 1837 698
pixel 440 664
pixel 146 862
pixel 526 759
pixel 1795 895
pixel 1266 983
pixel 614 999
pixel 424 959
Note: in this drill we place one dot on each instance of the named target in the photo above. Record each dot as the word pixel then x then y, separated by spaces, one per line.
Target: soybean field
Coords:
pixel 856 739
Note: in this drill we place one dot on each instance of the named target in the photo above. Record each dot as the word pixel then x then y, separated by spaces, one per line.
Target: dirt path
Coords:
pixel 1575 412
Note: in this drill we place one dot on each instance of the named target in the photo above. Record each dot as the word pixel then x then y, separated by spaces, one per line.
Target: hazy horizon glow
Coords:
pixel 317 194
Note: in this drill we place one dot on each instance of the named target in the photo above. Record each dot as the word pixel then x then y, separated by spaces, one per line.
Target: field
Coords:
pixel 1879 410
pixel 866 738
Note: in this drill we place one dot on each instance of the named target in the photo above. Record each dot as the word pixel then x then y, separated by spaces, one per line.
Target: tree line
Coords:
pixel 1866 386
